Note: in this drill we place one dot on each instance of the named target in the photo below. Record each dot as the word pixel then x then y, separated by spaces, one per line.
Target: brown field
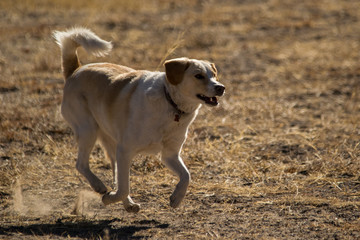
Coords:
pixel 279 159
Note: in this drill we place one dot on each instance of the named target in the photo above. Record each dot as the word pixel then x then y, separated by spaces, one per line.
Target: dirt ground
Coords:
pixel 278 159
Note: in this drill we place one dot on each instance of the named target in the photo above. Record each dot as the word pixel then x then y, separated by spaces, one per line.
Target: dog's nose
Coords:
pixel 219 90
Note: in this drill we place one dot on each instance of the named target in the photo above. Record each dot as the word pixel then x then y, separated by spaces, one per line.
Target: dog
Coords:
pixel 131 111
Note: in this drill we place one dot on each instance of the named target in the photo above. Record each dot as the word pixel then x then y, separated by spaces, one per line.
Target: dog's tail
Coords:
pixel 70 40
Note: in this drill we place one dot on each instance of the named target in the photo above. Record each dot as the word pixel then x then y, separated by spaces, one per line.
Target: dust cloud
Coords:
pixel 27 204
pixel 85 201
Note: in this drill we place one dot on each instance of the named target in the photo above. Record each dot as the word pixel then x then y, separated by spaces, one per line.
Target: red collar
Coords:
pixel 178 112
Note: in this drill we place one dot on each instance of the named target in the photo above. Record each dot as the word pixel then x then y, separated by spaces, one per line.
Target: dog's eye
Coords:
pixel 199 76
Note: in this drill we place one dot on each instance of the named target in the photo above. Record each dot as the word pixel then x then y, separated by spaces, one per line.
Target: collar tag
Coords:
pixel 177 118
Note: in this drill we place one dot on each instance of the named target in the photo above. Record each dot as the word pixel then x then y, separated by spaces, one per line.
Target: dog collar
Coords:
pixel 172 103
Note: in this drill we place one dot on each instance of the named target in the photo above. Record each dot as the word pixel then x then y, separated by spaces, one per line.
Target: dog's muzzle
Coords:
pixel 213 101
pixel 219 90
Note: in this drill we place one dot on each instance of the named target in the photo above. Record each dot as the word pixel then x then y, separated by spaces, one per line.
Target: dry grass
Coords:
pixel 279 159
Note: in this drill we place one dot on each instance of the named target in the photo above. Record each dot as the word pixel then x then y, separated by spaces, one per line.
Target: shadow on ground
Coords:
pixel 103 229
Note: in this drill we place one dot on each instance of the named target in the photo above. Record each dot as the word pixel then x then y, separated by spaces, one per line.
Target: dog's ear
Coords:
pixel 214 68
pixel 175 69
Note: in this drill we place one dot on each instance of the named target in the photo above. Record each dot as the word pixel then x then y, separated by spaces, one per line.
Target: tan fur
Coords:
pixel 214 69
pixel 70 64
pixel 125 80
pixel 175 70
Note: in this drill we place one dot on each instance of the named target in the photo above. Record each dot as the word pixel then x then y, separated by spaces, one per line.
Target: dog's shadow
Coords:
pixel 87 229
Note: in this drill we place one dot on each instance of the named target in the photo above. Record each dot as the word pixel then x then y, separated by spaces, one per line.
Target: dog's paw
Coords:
pixel 102 189
pixel 108 198
pixel 134 208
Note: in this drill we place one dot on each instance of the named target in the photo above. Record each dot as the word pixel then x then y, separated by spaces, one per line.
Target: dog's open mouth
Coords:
pixel 208 100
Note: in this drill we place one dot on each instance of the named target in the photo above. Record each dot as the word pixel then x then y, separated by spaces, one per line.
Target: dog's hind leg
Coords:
pixel 109 146
pixel 86 135
pixel 122 175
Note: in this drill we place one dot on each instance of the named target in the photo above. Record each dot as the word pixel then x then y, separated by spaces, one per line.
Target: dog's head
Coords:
pixel 195 79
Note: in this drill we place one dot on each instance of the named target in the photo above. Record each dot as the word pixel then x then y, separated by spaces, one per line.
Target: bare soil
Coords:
pixel 278 159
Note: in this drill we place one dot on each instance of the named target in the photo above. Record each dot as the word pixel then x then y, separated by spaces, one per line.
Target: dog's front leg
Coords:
pixel 122 176
pixel 174 162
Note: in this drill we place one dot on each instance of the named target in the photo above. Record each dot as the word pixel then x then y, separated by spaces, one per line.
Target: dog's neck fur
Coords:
pixel 186 107
pixel 178 112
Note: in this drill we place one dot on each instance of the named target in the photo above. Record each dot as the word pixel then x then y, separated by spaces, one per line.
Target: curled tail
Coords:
pixel 70 40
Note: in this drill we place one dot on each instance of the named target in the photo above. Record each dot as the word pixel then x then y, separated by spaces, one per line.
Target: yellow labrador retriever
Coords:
pixel 131 111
